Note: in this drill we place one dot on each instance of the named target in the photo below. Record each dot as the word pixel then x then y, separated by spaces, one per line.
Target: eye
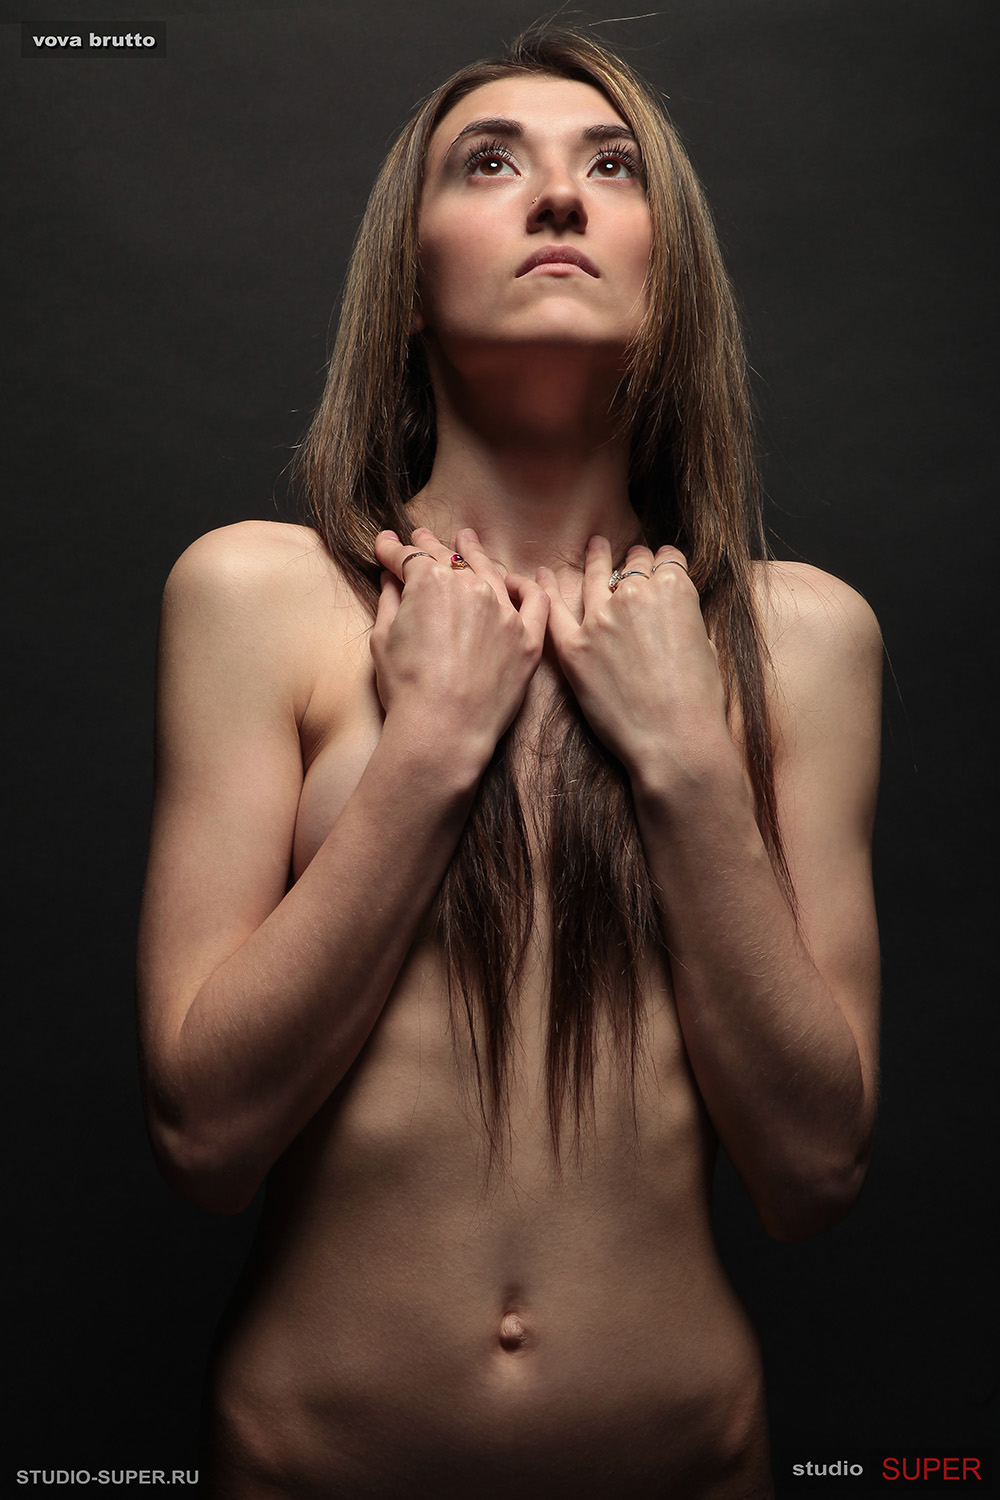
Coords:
pixel 490 159
pixel 616 164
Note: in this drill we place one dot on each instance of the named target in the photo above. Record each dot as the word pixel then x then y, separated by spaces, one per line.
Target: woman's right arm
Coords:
pixel 254 1002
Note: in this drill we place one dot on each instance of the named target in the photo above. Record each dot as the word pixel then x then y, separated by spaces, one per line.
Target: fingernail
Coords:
pixel 595 543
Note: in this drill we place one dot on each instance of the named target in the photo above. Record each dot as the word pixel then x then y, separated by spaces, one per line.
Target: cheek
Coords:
pixel 642 247
pixel 639 266
pixel 431 275
pixel 455 267
pixel 440 261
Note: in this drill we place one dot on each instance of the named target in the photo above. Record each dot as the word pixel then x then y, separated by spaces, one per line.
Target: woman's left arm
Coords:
pixel 779 1010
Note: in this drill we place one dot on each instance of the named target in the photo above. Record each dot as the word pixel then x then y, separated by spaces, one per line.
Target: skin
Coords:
pixel 405 1325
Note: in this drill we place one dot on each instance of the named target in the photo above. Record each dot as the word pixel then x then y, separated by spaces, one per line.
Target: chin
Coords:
pixel 547 343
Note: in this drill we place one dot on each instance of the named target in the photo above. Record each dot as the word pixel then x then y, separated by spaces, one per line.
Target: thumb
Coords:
pixel 532 604
pixel 388 604
pixel 563 625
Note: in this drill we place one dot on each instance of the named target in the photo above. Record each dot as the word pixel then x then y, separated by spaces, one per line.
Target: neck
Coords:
pixel 528 456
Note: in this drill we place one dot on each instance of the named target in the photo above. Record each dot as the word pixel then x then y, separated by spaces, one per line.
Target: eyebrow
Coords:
pixel 498 125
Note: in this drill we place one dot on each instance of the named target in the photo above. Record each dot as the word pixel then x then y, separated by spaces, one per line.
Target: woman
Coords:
pixel 578 834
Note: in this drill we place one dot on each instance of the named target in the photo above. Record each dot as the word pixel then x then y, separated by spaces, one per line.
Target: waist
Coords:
pixel 631 1356
pixel 601 1406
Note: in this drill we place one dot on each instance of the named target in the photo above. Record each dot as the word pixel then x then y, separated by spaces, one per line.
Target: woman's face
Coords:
pixel 534 225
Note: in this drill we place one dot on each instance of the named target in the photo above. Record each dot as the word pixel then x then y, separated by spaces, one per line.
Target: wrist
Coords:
pixel 687 771
pixel 444 758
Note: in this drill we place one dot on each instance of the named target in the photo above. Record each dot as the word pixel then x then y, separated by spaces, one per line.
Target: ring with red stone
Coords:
pixel 458 561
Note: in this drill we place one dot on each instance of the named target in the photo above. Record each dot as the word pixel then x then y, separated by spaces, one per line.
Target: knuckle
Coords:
pixel 480 590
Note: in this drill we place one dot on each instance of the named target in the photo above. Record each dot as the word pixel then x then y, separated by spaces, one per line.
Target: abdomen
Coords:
pixel 409 1329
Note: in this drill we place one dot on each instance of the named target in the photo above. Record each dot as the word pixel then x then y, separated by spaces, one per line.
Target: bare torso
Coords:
pixel 409 1325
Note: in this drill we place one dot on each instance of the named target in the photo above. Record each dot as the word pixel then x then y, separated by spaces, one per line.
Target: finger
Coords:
pixel 390 586
pixel 638 556
pixel 635 571
pixel 393 554
pixel 470 549
pixel 388 603
pixel 385 542
pixel 596 572
pixel 563 625
pixel 428 541
pixel 532 604
pixel 668 553
pixel 673 587
pixel 669 561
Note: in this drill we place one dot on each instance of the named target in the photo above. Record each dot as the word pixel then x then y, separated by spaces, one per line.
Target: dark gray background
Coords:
pixel 178 228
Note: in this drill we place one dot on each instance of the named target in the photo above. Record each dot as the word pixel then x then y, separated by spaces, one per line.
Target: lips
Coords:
pixel 557 255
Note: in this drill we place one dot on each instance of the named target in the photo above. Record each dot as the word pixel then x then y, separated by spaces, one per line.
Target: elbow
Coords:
pixel 202 1166
pixel 805 1216
pixel 811 1202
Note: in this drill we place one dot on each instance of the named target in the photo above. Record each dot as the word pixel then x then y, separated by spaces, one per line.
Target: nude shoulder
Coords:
pixel 266 575
pixel 825 655
pixel 261 602
pixel 809 615
pixel 262 559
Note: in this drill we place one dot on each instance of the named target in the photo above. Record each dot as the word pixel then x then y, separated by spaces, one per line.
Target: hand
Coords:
pixel 640 662
pixel 455 647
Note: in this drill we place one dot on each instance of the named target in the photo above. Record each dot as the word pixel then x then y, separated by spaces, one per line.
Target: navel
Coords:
pixel 513 1334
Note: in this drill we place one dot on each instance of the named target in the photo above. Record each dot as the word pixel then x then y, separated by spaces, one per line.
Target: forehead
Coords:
pixel 542 105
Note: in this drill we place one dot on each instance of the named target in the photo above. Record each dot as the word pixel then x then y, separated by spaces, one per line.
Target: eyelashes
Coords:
pixel 498 153
pixel 619 154
pixel 488 151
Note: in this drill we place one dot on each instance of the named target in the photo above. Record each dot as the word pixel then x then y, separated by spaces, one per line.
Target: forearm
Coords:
pixel 271 1032
pixel 780 1028
pixel 774 1055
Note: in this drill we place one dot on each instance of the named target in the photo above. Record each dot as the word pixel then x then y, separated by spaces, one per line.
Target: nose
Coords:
pixel 559 204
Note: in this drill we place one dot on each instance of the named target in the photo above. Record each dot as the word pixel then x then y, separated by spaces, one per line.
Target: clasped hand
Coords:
pixel 455 644
pixel 465 641
pixel 640 661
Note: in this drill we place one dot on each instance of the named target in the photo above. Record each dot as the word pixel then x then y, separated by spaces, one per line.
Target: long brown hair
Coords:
pixel 684 401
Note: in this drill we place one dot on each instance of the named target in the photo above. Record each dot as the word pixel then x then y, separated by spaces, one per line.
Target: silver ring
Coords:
pixel 409 558
pixel 669 562
pixel 618 577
